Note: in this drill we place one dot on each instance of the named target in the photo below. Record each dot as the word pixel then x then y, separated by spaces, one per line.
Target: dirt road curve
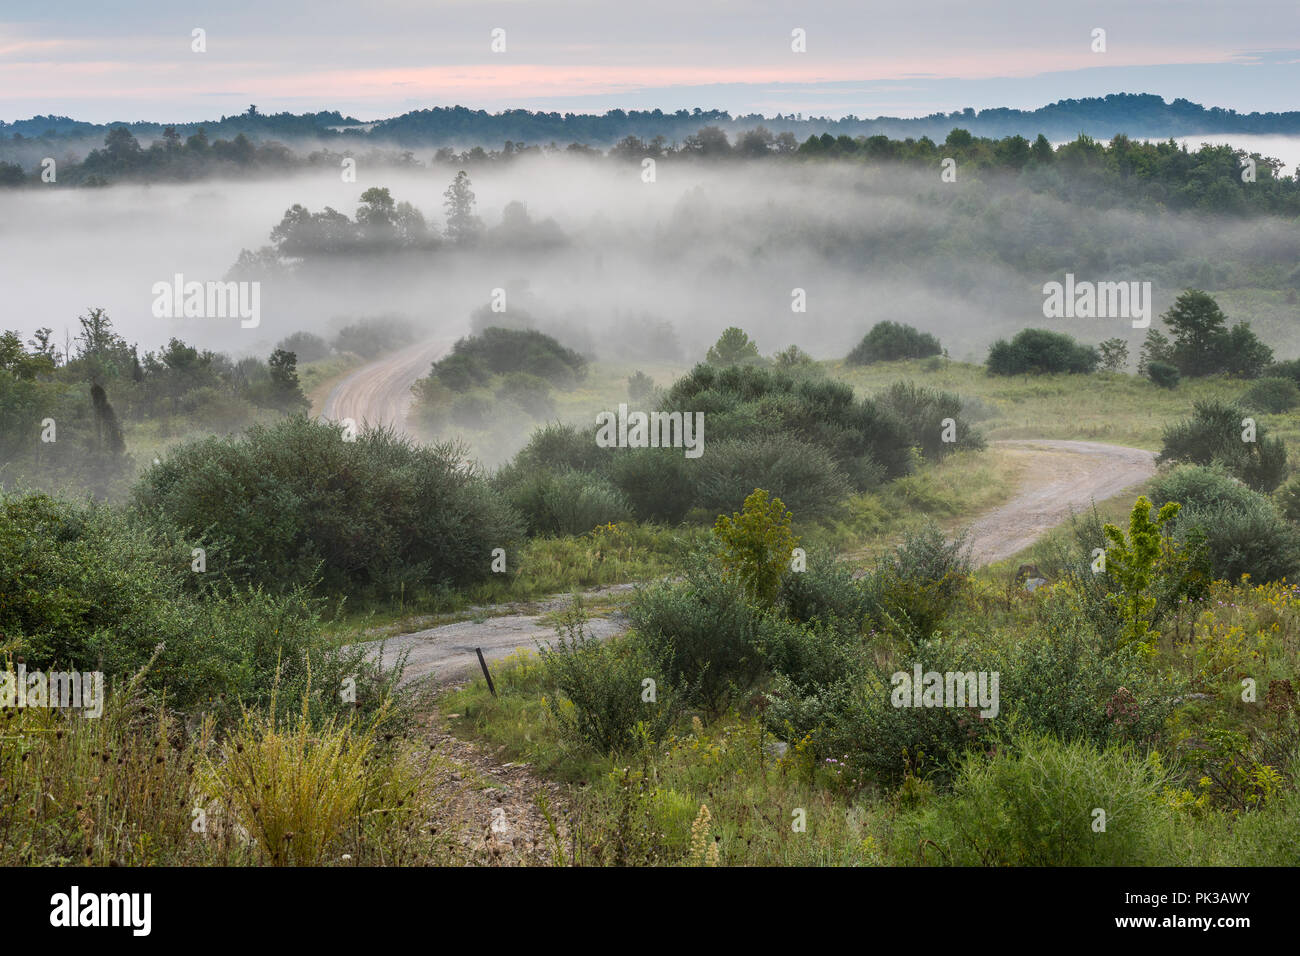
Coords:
pixel 1060 477
pixel 380 393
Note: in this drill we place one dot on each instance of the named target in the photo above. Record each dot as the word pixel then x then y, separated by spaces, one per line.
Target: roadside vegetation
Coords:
pixel 1152 691
pixel 785 579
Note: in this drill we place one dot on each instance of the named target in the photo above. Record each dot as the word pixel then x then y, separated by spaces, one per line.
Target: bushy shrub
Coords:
pixel 498 351
pixel 1216 433
pixel 529 392
pixel 375 336
pixel 803 475
pixel 293 503
pixel 733 347
pixel 90 589
pixel 658 483
pixel 1164 374
pixel 1273 395
pixel 853 719
pixel 1197 486
pixel 1242 531
pixel 600 700
pixel 825 592
pixel 702 632
pixel 306 345
pixel 567 502
pixel 808 659
pixel 923 412
pixel 1065 679
pixel 913 589
pixel 1040 350
pixel 1288 500
pixel 556 447
pixel 1034 804
pixel 865 440
pixel 1290 369
pixel 888 341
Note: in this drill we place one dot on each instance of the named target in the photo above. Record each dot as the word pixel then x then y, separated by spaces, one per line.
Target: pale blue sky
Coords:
pixel 133 60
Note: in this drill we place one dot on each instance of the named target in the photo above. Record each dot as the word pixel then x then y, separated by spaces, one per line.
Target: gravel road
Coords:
pixel 1060 477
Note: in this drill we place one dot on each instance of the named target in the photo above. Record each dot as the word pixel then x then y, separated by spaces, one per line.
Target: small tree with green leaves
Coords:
pixel 1135 563
pixel 756 545
pixel 1114 355
pixel 733 347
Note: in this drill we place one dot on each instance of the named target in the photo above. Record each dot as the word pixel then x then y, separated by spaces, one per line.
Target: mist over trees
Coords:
pixel 1139 114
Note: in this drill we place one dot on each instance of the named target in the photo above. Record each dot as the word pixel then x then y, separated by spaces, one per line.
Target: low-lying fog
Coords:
pixel 703 247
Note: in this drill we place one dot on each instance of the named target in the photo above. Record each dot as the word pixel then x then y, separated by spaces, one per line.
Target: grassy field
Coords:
pixel 1108 407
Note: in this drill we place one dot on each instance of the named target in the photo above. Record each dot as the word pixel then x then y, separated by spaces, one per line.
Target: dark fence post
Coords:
pixel 483 664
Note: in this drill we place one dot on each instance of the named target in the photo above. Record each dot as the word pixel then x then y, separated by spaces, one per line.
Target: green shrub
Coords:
pixel 702 632
pixel 1164 374
pixel 1040 350
pixel 803 475
pixel 826 592
pixel 375 336
pixel 307 346
pixel 1290 369
pixel 913 589
pixel 756 545
pixel 1215 433
pixel 91 589
pixel 498 351
pixel 293 503
pixel 1273 395
pixel 1242 531
pixel 573 504
pixel 1035 803
pixel 557 447
pixel 1288 500
pixel 851 719
pixel 529 392
pixel 923 412
pixel 600 699
pixel 657 482
pixel 733 347
pixel 888 341
pixel 810 658
pixel 865 440
pixel 1065 679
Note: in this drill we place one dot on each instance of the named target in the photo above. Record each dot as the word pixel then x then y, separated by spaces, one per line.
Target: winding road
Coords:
pixel 380 393
pixel 1060 477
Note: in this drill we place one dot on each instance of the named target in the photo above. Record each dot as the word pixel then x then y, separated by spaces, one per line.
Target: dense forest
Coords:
pixel 1219 179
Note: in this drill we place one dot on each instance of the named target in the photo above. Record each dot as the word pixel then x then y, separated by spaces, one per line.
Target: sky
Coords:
pixel 134 60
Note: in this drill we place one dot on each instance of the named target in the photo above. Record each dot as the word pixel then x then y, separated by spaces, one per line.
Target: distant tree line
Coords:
pixel 1143 114
pixel 1220 179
